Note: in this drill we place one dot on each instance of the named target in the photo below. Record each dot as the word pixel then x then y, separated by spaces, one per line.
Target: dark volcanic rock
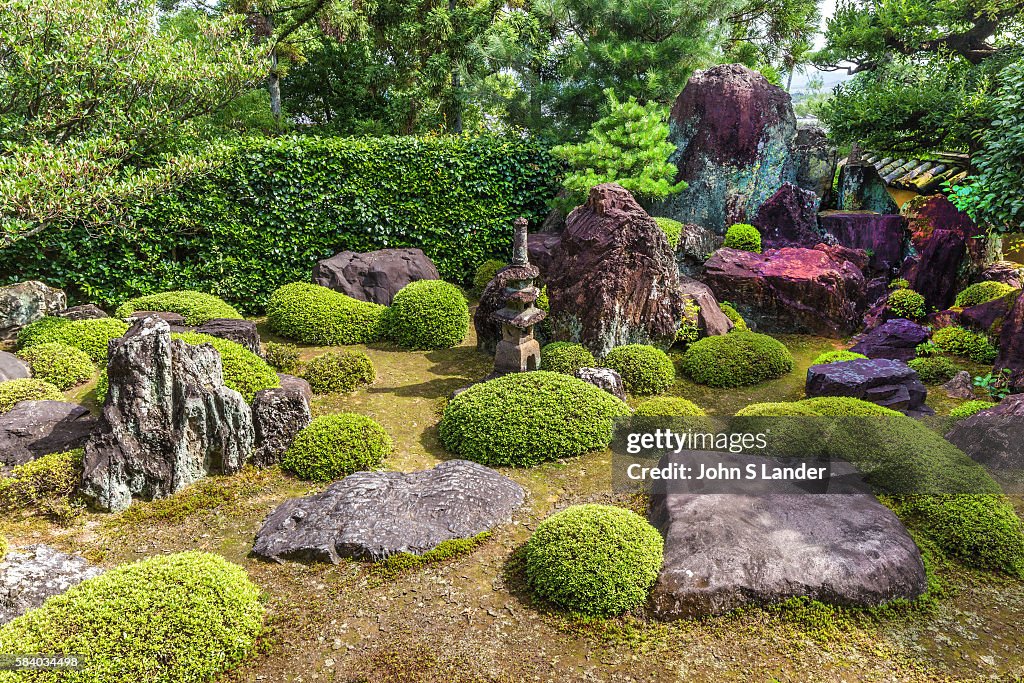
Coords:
pixel 788 218
pixel 961 386
pixel 296 384
pixel 35 428
pixel 1011 346
pixel 85 312
pixel 239 331
pixel 175 320
pixel 723 551
pixel 883 234
pixel 1007 272
pixel 985 317
pixel 994 437
pixel 277 416
pixel 815 159
pixel 790 289
pixel 12 367
pixel 376 275
pixel 25 303
pixel 613 278
pixel 374 515
pixel 604 378
pixel 168 420
pixel 540 247
pixel 895 339
pixel 30 575
pixel 710 319
pixel 695 245
pixel 889 383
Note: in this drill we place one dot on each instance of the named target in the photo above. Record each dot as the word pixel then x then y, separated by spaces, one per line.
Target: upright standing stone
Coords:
pixel 815 162
pixel 789 218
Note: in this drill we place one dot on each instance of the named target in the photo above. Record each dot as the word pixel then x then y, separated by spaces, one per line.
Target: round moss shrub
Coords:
pixel 428 314
pixel 845 406
pixel 906 303
pixel 960 341
pixel 282 357
pixel 782 409
pixel 934 369
pixel 91 336
pixel 566 357
pixel 743 236
pixel 167 619
pixel 668 406
pixel 59 364
pixel 981 292
pixel 738 323
pixel 737 359
pixel 836 357
pixel 899 283
pixel 523 419
pixel 645 370
pixel 485 272
pixel 341 371
pixel 673 230
pixel 334 446
pixel 196 307
pixel 244 371
pixel 594 559
pixel 319 316
pixel 970 408
pixel 15 391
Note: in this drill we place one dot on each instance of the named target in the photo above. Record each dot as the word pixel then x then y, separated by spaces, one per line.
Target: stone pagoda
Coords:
pixel 518 351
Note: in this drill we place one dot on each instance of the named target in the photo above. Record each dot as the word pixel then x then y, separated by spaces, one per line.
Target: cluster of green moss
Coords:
pixel 91 336
pixel 906 303
pixel 737 359
pixel 594 559
pixel 836 357
pixel 340 371
pixel 427 314
pixel 397 564
pixel 46 484
pixel 59 364
pixel 743 236
pixel 281 357
pixel 689 326
pixel 970 408
pixel 566 357
pixel 523 419
pixel 316 315
pixel 668 406
pixel 673 230
pixel 244 371
pixel 485 272
pixel 645 370
pixel 196 307
pixel 738 323
pixel 15 391
pixel 334 446
pixel 934 369
pixel 959 341
pixel 981 292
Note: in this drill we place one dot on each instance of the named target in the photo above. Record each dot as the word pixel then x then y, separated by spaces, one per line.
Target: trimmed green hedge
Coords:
pixel 645 370
pixel 334 446
pixel 737 359
pixel 668 406
pixel 427 314
pixel 244 371
pixel 316 315
pixel 196 307
pixel 14 391
pixel 342 371
pixel 960 341
pixel 91 336
pixel 836 357
pixel 906 303
pixel 566 357
pixel 934 369
pixel 279 204
pixel 59 364
pixel 980 292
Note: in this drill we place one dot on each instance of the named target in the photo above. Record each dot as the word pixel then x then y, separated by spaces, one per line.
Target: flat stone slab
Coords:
pixel 724 551
pixel 30 575
pixel 373 515
pixel 888 383
pixel 242 332
pixel 895 339
pixel 12 367
pixel 32 429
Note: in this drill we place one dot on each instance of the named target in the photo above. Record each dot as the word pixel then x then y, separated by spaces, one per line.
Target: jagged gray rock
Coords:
pixel 25 303
pixel 695 245
pixel 168 420
pixel 32 429
pixel 12 367
pixel 604 378
pixel 376 514
pixel 242 332
pixel 961 386
pixel 30 575
pixel 278 415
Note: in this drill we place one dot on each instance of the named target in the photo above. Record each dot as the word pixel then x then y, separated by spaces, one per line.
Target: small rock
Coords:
pixel 895 339
pixel 85 312
pixel 961 386
pixel 278 415
pixel 25 303
pixel 36 428
pixel 604 378
pixel 12 367
pixel 889 383
pixel 376 275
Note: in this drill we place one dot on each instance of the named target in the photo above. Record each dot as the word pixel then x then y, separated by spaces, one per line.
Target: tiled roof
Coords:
pixel 925 176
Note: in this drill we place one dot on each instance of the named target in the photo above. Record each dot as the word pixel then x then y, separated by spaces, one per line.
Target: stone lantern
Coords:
pixel 518 351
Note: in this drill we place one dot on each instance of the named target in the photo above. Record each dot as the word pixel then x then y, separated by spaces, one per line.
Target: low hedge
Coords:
pixel 934 369
pixel 319 316
pixel 14 391
pixel 334 446
pixel 341 371
pixel 167 619
pixel 427 314
pixel 644 369
pixel 780 409
pixel 959 341
pixel 196 307
pixel 906 303
pixel 743 236
pixel 523 419
pixel 566 357
pixel 981 292
pixel 668 406
pixel 836 357
pixel 673 230
pixel 45 485
pixel 969 408
pixel 59 364
pixel 244 371
pixel 737 359
pixel 594 559
pixel 91 336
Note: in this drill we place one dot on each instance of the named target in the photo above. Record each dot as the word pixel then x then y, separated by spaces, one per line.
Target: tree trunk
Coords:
pixel 274 87
pixel 456 109
pixel 789 79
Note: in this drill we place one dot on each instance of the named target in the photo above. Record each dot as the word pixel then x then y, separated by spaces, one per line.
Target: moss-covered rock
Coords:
pixel 673 230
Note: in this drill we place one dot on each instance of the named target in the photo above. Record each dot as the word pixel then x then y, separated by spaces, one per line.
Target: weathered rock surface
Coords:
pixel 25 303
pixel 604 378
pixel 296 384
pixel 613 278
pixel 278 415
pixel 1011 346
pixel 889 383
pixel 375 275
pixel 862 189
pixel 84 312
pixel 242 332
pixel 985 317
pixel 723 551
pixel 961 386
pixel 895 339
pixel 815 159
pixel 12 367
pixel 376 514
pixel 540 247
pixel 32 429
pixel 30 575
pixel 790 289
pixel 788 218
pixel 710 319
pixel 994 437
pixel 492 299
pixel 175 320
pixel 695 245
pixel 168 420
pixel 883 234
pixel 1007 272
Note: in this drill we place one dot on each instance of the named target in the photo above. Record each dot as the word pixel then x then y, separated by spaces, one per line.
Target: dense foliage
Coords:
pixel 282 357
pixel 196 307
pixel 91 336
pixel 484 273
pixel 743 236
pixel 980 292
pixel 334 446
pixel 339 371
pixel 244 371
pixel 739 324
pixel 906 303
pixel 934 369
pixel 13 391
pixel 668 406
pixel 566 357
pixel 44 486
pixel 959 341
pixel 427 314
pixel 969 408
pixel 737 359
pixel 320 316
pixel 673 230
pixel 644 369
pixel 59 364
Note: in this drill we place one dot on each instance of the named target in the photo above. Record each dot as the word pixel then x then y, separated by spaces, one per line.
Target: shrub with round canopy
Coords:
pixel 428 314
pixel 14 391
pixel 737 359
pixel 644 369
pixel 196 307
pixel 59 364
pixel 316 315
pixel 334 446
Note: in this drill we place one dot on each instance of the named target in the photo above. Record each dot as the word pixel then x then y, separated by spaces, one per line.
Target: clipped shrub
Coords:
pixel 342 371
pixel 428 314
pixel 244 371
pixel 523 419
pixel 61 365
pixel 906 303
pixel 927 348
pixel 91 336
pixel 981 292
pixel 899 283
pixel 689 326
pixel 782 409
pixel 316 315
pixel 485 272
pixel 738 323
pixel 743 236
pixel 566 357
pixel 644 369
pixel 845 406
pixel 196 307
pixel 668 406
pixel 334 446
pixel 282 357
pixel 4 547
pixel 736 360
pixel 166 619
pixel 836 357
pixel 594 559
pixel 14 391
pixel 44 485
pixel 970 408
pixel 934 369
pixel 960 341
pixel 673 230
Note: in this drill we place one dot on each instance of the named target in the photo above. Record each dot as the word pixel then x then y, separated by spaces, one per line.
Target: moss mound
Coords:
pixel 844 406
pixel 594 559
pixel 743 236
pixel 970 408
pixel 668 406
pixel 960 341
pixel 934 369
pixel 737 359
pixel 167 619
pixel 645 370
pixel 45 485
pixel 777 410
pixel 342 371
pixel 196 307
pixel 673 230
pixel 61 365
pixel 428 314
pixel 738 323
pixel 316 315
pixel 836 357
pixel 981 292
pixel 906 303
pixel 282 357
pixel 485 272
pixel 244 371
pixel 526 418
pixel 566 357
pixel 335 446
pixel 91 336
pixel 15 391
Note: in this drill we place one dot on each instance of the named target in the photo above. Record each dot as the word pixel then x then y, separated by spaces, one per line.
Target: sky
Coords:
pixel 831 78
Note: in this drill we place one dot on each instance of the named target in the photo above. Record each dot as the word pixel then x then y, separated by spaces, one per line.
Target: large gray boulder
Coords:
pixel 374 515
pixel 994 437
pixel 12 367
pixel 278 415
pixel 25 303
pixel 242 332
pixel 168 420
pixel 695 245
pixel 888 383
pixel 30 575
pixel 375 275
pixel 816 160
pixel 32 429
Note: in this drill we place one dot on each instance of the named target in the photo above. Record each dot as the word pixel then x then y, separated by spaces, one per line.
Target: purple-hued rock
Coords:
pixel 297 384
pixel 883 234
pixel 242 332
pixel 278 415
pixel 540 247
pixel 1011 346
pixel 888 383
pixel 604 378
pixel 32 429
pixel 710 319
pixel 174 320
pixel 375 275
pixel 788 218
pixel 12 367
pixel 961 386
pixel 989 316
pixel 895 339
pixel 935 271
pixel 1007 272
pixel 995 436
